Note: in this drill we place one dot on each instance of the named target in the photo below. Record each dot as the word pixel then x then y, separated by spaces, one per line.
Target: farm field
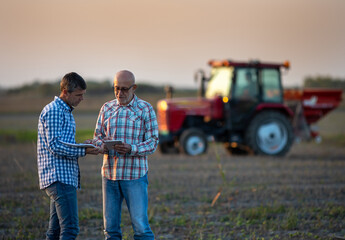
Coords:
pixel 299 196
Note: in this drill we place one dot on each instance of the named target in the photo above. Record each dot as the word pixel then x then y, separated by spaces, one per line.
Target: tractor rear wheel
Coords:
pixel 270 133
pixel 193 142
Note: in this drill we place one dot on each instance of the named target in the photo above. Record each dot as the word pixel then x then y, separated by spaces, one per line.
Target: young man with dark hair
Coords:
pixel 58 167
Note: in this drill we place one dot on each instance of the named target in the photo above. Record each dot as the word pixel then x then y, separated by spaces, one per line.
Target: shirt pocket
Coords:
pixel 134 118
pixel 68 128
pixel 136 125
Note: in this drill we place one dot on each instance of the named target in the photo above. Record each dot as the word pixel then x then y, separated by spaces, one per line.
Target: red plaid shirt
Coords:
pixel 135 124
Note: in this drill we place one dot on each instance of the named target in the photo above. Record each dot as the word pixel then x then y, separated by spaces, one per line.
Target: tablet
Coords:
pixel 111 143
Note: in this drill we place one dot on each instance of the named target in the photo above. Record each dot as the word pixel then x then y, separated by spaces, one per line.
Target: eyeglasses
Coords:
pixel 123 89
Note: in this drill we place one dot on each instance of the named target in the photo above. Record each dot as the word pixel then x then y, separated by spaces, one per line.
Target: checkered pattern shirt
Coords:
pixel 135 124
pixel 57 161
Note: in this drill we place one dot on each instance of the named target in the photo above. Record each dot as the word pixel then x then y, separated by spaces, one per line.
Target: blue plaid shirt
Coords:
pixel 57 161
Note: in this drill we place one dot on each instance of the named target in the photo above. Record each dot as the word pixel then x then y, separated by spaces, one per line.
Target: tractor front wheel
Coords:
pixel 193 142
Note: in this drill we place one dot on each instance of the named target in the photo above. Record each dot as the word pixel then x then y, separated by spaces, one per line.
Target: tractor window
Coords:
pixel 246 84
pixel 220 82
pixel 271 85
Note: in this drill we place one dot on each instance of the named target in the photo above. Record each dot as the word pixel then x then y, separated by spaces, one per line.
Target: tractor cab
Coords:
pixel 245 87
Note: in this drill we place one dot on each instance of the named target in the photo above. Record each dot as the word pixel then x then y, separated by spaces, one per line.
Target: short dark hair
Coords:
pixel 72 81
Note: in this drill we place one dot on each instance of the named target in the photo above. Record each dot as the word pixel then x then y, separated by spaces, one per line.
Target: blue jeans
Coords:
pixel 63 222
pixel 135 194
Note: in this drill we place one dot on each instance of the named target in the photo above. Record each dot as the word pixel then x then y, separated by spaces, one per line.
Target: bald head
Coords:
pixel 124 86
pixel 124 76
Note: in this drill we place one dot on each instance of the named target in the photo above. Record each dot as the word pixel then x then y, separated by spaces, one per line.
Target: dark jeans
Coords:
pixel 63 222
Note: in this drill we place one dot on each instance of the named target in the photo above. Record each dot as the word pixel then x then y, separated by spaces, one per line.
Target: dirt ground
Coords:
pixel 299 196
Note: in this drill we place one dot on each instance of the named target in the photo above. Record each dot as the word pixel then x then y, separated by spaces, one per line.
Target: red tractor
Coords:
pixel 244 107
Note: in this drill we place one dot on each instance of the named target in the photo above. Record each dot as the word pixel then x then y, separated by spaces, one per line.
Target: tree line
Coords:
pixel 324 82
pixel 95 87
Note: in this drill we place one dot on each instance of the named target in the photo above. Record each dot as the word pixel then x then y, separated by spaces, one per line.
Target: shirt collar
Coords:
pixel 132 103
pixel 63 105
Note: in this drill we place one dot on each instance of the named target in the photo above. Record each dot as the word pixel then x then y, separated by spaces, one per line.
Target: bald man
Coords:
pixel 124 172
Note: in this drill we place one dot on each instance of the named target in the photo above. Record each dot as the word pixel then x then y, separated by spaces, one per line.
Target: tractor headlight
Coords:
pixel 163 105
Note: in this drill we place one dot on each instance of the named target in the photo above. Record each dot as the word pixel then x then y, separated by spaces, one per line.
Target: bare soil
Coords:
pixel 299 196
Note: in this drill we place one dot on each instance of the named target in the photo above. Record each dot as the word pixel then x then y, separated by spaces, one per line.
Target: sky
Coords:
pixel 166 41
